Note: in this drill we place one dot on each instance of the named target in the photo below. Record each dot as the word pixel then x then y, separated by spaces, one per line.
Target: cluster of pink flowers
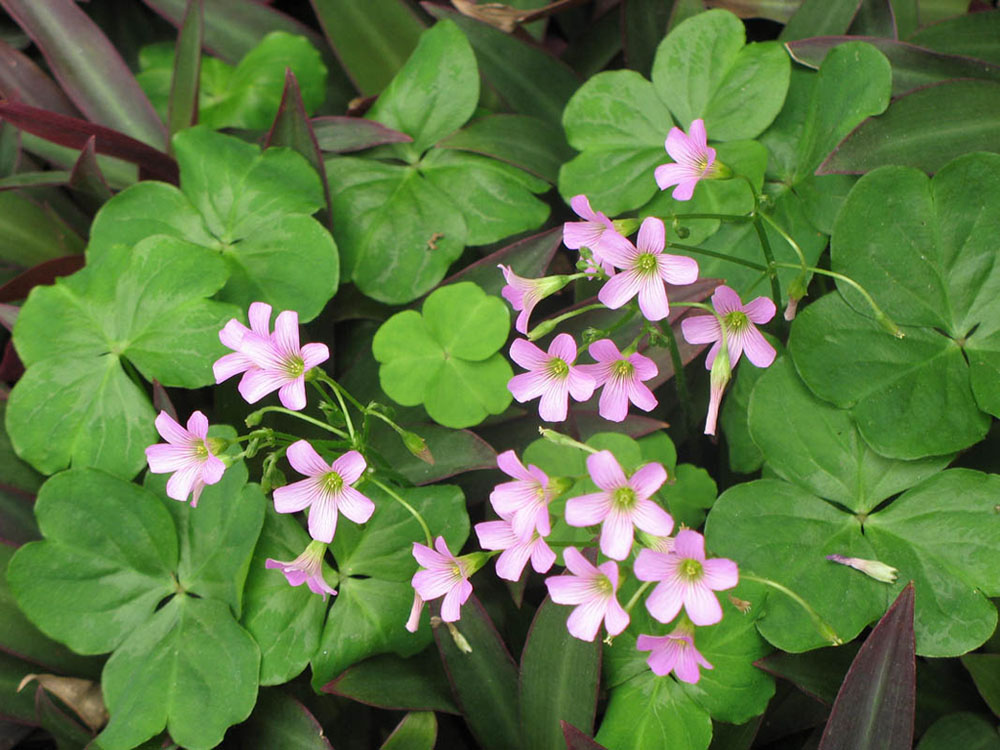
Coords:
pixel 269 362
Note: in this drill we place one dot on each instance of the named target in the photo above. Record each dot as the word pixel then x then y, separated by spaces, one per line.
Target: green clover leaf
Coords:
pixel 446 358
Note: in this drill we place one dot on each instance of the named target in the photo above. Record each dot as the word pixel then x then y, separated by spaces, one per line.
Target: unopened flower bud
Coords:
pixel 718 380
pixel 625 227
pixel 796 291
pixel 871 568
pixel 542 329
pixel 417 446
pixel 682 232
pixel 719 171
pixel 559 485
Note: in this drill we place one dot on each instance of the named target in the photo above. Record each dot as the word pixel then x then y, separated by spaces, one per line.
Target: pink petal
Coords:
pixel 641 396
pixel 180 483
pixel 617 535
pixel 314 354
pixel 431 584
pixel 577 234
pixel 581 207
pixel 684 190
pixel 652 519
pixel 651 565
pixel 760 310
pixel 354 505
pixel 197 425
pixel 512 497
pixel 170 431
pixel 564 347
pixel 286 333
pixel 681 148
pixel 613 405
pixel 720 574
pixel 726 300
pixel 232 334
pixel 701 329
pixel 647 480
pixel 701 605
pixel 615 617
pixel 645 368
pixel 230 364
pixel 689 545
pixel 665 601
pixel 620 289
pixel 259 316
pixel 451 606
pixel 322 522
pixel 758 351
pixel 212 469
pixel 653 299
pixel 350 466
pixel 527 355
pixel 671 174
pixel 413 622
pixel 617 250
pixel 554 403
pixel 428 558
pixel 584 621
pixel 495 535
pixel 510 465
pixel 581 386
pixel 542 556
pixel 696 135
pixel 566 589
pixel 604 351
pixel 579 565
pixel 528 385
pixel 163 458
pixel 677 269
pixel 686 668
pixel 257 383
pixel 605 471
pixel 305 460
pixel 292 395
pixel 652 236
pixel 588 510
pixel 297 496
pixel 510 564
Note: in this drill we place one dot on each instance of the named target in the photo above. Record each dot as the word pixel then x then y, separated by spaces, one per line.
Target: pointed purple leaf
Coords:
pixel 88 67
pixel 182 111
pixel 577 740
pixel 292 128
pixel 344 134
pixel 44 273
pixel 22 80
pixel 417 683
pixel 74 132
pixel 529 257
pixel 876 704
pixel 87 176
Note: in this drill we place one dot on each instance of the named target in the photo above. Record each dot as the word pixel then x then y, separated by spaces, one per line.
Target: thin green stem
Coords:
pixel 821 625
pixel 772 270
pixel 753 192
pixel 680 377
pixel 714 254
pixel 884 320
pixel 559 439
pixel 735 218
pixel 413 511
pixel 547 325
pixel 347 414
pixel 788 238
pixel 638 593
pixel 298 415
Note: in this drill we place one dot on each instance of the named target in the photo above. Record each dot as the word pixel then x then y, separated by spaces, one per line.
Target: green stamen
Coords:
pixel 690 569
pixel 558 368
pixel 646 263
pixel 603 584
pixel 622 369
pixel 736 321
pixel 624 498
pixel 332 482
pixel 294 366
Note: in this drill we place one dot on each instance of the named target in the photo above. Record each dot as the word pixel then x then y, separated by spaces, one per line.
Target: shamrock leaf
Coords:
pixel 376 564
pixel 446 358
pixel 926 246
pixel 253 209
pixel 136 307
pixel 703 69
pixel 401 225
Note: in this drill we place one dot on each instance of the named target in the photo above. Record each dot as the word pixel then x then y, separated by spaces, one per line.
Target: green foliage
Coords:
pixel 446 357
pixel 138 307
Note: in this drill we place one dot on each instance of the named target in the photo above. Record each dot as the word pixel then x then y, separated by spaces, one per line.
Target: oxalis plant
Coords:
pixel 347 430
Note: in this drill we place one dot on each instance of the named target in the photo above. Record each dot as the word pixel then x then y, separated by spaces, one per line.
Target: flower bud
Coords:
pixel 417 446
pixel 718 379
pixel 871 568
pixel 796 291
pixel 625 227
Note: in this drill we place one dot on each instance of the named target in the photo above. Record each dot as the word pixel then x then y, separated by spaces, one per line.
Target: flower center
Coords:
pixel 690 569
pixel 294 366
pixel 200 450
pixel 558 368
pixel 736 321
pixel 646 263
pixel 603 585
pixel 332 482
pixel 624 498
pixel 622 370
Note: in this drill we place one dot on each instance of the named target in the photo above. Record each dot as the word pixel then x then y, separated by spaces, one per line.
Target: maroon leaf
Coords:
pixel 876 704
pixel 74 132
pixel 182 111
pixel 87 176
pixel 161 400
pixel 22 80
pixel 88 67
pixel 44 273
pixel 577 740
pixel 292 128
pixel 529 257
pixel 342 134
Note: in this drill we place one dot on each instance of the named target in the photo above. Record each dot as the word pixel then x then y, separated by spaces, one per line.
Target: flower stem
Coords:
pixel 735 218
pixel 788 238
pixel 772 269
pixel 635 597
pixel 883 320
pixel 714 254
pixel 559 439
pixel 680 377
pixel 305 418
pixel 413 511
pixel 547 325
pixel 824 629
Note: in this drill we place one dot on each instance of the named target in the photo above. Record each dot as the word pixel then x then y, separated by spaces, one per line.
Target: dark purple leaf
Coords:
pixel 577 740
pixel 876 704
pixel 89 68
pixel 389 681
pixel 11 367
pixel 87 177
pixel 161 400
pixel 455 452
pixel 529 257
pixel 816 673
pixel 73 132
pixel 875 18
pixel 774 10
pixel 182 111
pixel 343 134
pixel 912 66
pixel 50 178
pixel 292 128
pixel 819 18
pixel 484 680
pixel 22 80
pixel 44 273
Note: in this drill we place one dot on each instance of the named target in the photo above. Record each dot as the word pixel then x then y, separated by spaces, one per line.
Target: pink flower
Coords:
pixel 686 579
pixel 525 501
pixel 644 269
pixel 551 376
pixel 326 491
pixel 443 574
pixel 593 590
pixel 597 232
pixel 306 568
pixel 523 294
pixel 269 362
pixel 622 379
pixel 188 454
pixel 674 652
pixel 741 333
pixel 500 534
pixel 693 161
pixel 621 505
